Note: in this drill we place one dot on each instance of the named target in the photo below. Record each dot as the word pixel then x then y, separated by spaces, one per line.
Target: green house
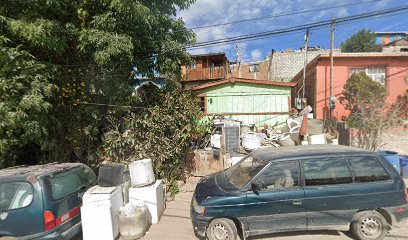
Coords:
pixel 250 101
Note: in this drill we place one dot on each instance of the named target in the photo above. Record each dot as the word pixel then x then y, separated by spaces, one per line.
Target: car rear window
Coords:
pixel 69 181
pixel 326 171
pixel 368 169
pixel 14 195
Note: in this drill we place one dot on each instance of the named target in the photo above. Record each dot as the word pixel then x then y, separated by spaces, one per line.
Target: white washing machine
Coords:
pixel 100 213
pixel 153 197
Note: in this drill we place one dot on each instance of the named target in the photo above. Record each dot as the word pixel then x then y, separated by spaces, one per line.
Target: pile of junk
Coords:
pixel 230 139
pixel 126 200
pixel 299 129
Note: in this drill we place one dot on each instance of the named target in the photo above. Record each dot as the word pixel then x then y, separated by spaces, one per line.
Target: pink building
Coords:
pixel 389 69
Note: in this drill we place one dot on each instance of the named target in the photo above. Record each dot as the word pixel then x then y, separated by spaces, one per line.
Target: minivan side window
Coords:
pixel 279 175
pixel 326 171
pixel 368 169
pixel 14 195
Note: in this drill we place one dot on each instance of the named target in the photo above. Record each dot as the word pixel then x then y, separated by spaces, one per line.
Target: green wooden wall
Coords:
pixel 241 101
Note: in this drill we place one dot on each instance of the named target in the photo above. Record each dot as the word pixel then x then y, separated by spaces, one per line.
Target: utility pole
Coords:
pixel 305 61
pixel 331 98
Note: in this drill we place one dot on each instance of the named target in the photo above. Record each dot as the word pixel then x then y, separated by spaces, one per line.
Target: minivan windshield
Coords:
pixel 243 171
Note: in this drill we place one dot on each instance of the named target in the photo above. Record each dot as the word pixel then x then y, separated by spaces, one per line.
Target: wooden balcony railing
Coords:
pixel 205 73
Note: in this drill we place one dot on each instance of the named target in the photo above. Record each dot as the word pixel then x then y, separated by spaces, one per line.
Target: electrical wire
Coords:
pixel 301 27
pixel 283 14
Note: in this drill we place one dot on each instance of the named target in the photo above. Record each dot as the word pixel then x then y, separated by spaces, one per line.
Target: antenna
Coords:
pixel 238 57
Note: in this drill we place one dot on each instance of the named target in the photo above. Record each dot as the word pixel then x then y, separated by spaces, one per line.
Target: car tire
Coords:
pixel 369 225
pixel 222 229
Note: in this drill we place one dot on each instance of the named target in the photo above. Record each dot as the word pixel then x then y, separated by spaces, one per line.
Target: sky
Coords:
pixel 210 12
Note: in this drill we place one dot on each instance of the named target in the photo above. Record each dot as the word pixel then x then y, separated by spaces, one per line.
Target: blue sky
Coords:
pixel 209 12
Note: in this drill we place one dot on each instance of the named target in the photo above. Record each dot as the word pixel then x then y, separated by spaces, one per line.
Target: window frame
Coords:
pixel 48 183
pixel 253 68
pixel 203 98
pixel 377 160
pixel 259 175
pixel 303 174
pixel 350 70
pixel 32 192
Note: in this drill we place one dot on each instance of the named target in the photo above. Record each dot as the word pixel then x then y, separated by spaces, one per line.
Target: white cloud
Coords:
pixel 256 55
pixel 210 12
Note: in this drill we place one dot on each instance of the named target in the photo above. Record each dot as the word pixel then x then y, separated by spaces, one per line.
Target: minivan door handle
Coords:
pixel 297 202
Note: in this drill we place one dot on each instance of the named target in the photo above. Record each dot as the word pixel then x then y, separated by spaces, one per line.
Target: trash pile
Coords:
pixel 124 204
pixel 298 130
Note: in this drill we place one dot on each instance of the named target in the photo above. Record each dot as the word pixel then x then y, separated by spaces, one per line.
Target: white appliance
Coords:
pixel 100 213
pixel 141 172
pixel 153 197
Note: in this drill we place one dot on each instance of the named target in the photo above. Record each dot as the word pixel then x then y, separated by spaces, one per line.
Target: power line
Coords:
pixel 285 34
pixel 283 14
pixel 300 27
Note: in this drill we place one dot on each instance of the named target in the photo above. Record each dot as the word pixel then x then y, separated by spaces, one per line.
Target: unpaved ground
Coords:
pixel 175 224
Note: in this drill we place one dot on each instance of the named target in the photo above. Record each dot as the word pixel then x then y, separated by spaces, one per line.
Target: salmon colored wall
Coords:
pixel 396 79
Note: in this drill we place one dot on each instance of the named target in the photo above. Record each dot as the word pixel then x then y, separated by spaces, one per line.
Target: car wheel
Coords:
pixel 369 225
pixel 222 229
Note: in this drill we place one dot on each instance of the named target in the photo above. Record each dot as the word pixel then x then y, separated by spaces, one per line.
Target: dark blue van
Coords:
pixel 43 201
pixel 315 187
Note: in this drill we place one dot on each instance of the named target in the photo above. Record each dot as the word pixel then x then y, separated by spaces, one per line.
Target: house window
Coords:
pixel 202 104
pixel 376 73
pixel 404 50
pixel 254 68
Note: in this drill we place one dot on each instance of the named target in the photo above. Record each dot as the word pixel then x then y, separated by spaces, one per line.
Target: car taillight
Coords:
pixel 49 220
pixel 67 216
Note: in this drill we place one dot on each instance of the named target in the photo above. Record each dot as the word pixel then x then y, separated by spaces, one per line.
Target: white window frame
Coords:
pixel 376 73
pixel 253 69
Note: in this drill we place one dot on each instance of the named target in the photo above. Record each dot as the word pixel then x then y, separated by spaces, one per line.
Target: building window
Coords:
pixel 254 68
pixel 202 104
pixel 404 50
pixel 376 73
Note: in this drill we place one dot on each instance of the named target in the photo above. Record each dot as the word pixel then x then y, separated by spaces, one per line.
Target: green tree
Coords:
pixel 27 118
pixel 363 41
pixel 89 50
pixel 160 126
pixel 369 113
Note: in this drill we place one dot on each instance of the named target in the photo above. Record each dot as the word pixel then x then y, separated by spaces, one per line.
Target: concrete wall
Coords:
pixel 285 65
pixel 396 79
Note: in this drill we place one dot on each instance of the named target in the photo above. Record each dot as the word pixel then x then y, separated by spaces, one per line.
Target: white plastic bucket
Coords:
pixel 141 172
pixel 133 220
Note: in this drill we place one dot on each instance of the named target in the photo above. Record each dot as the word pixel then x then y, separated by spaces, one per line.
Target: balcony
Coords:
pixel 205 73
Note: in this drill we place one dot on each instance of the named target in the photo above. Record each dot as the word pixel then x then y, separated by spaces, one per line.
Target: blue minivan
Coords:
pixel 43 201
pixel 315 187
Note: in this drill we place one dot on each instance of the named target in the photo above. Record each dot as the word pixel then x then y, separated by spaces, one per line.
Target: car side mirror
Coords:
pixel 255 186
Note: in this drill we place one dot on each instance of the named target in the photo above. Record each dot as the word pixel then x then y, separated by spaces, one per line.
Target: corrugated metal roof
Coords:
pixel 367 54
pixel 245 80
pixel 385 33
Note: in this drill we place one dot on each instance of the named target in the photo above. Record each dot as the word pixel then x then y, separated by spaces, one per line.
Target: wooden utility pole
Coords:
pixel 331 63
pixel 305 62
